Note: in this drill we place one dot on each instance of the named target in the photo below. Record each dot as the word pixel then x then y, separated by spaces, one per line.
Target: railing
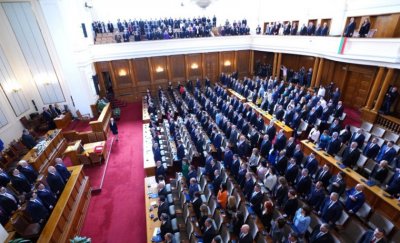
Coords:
pixel 389 122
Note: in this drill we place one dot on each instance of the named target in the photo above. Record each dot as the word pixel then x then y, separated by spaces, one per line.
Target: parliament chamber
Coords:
pixel 200 121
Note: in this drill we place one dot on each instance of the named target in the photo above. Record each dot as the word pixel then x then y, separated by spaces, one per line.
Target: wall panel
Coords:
pixel 177 68
pixel 142 73
pixel 191 61
pixel 160 70
pixel 243 63
pixel 227 61
pixel 211 66
pixel 122 74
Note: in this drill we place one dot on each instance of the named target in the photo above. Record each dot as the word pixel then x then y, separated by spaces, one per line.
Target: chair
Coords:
pixel 371 33
pixel 377 220
pixel 367 136
pixel 343 116
pixel 24 228
pixel 369 167
pixel 238 198
pixel 352 232
pixel 218 221
pixel 391 136
pixel 230 187
pixel 377 131
pixel 212 205
pixel 203 183
pixel 353 129
pixel 253 228
pixel 205 197
pixel 342 220
pixel 95 158
pixel 315 220
pixel 381 141
pixel 367 126
pixel 364 212
pixel 394 239
pixel 85 117
pixel 361 161
pixel 225 234
pixel 244 211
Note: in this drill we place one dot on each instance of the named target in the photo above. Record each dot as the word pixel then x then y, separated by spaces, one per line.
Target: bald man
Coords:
pixel 245 236
pixel 355 198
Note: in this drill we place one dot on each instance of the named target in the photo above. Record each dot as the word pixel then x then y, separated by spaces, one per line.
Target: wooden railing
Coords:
pixel 69 213
pixel 102 123
pixel 389 122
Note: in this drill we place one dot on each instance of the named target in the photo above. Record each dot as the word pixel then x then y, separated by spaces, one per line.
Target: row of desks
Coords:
pixel 149 164
pixel 375 196
pixel 150 186
pixel 265 115
pixel 145 111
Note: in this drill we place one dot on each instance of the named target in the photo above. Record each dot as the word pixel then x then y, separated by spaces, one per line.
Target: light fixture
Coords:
pixel 227 63
pixel 122 73
pixel 13 87
pixel 159 69
pixel 194 66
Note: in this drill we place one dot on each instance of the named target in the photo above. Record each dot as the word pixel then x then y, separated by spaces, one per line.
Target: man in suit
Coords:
pixel 312 117
pixel 350 155
pixel 163 206
pixel 393 186
pixel 235 165
pixel 248 186
pixel 280 141
pixel 358 137
pixel 28 171
pixel 209 231
pixel 317 196
pixel 376 236
pixel 233 138
pixel 380 171
pixel 8 201
pixel 4 178
pixel 311 28
pixel 321 234
pixel 331 209
pixel 390 97
pixel 338 112
pixel 303 183
pixel 265 146
pixel 348 32
pixel 245 236
pixel 298 155
pixel 311 164
pixel 290 147
pixel 355 198
pixel 291 171
pixel 55 181
pixel 323 175
pixel 254 138
pixel 334 144
pixel 242 147
pixel 271 130
pixel 156 152
pixel 48 198
pixel 166 226
pixel 337 183
pixel 27 139
pixel 216 183
pixel 62 169
pixel 325 30
pixel 256 199
pixel 160 170
pixel 335 126
pixel 281 162
pixel 387 152
pixel 372 148
pixel 228 158
pixel 180 151
pixel 49 118
pixel 19 182
pixel 37 210
pixel 196 204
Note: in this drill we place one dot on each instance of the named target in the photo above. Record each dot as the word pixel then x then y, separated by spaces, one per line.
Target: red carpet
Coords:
pixel 353 117
pixel 117 214
pixel 79 126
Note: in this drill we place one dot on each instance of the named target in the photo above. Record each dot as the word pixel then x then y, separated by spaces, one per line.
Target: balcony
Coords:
pixel 377 52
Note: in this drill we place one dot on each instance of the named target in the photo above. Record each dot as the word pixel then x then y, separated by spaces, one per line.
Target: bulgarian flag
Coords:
pixel 342 45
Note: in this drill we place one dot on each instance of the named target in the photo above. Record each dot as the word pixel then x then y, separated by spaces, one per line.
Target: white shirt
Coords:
pixel 314 135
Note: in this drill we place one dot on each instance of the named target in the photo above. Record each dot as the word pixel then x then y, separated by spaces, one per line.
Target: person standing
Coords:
pixel 114 128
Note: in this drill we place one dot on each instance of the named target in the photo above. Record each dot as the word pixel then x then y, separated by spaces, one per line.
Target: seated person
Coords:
pixel 27 139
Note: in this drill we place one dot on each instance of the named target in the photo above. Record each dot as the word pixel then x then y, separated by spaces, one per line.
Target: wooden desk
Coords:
pixel 68 215
pixel 150 186
pixel 374 195
pixel 145 111
pixel 89 148
pixel 149 164
pixel 268 118
pixel 54 147
pixel 63 120
pixel 73 150
pixel 102 123
pixel 237 95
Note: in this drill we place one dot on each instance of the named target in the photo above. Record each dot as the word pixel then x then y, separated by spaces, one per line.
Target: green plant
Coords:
pixel 80 239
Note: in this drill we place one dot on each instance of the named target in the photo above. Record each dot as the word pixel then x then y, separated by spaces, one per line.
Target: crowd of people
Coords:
pixel 255 152
pixel 278 28
pixel 21 190
pixel 162 29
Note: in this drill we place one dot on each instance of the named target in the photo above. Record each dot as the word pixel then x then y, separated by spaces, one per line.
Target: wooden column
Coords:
pixel 278 66
pixel 274 65
pixel 314 72
pixel 219 64
pixel 319 73
pixel 384 88
pixel 377 84
pixel 251 63
pixel 151 74
pixel 186 68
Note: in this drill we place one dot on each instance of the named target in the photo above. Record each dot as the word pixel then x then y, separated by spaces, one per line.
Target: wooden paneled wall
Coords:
pixel 295 62
pixel 387 25
pixel 131 78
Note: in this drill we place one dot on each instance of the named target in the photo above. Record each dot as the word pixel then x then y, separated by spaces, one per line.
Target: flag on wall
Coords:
pixel 342 45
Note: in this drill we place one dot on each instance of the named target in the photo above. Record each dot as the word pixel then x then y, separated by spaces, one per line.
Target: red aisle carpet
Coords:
pixel 117 214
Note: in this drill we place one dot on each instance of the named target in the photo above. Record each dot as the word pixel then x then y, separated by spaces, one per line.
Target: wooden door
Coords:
pixel 356 89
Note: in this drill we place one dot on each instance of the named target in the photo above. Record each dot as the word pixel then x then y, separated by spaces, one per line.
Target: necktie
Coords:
pixel 322 174
pixel 331 204
pixel 373 240
pixel 319 235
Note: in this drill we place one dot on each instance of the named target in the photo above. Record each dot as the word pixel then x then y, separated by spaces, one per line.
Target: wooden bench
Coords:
pixel 102 123
pixel 69 213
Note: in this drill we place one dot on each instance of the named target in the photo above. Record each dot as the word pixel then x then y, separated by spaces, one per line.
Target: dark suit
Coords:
pixel 386 154
pixel 298 156
pixel 63 171
pixel 28 141
pixel 359 139
pixel 368 236
pixel 163 208
pixel 359 200
pixel 316 237
pixel 303 185
pixel 330 213
pixel 55 182
pixel 256 202
pixel 323 176
pixel 290 149
pixel 48 197
pixel 248 188
pixel 379 174
pixel 196 206
pixel 20 183
pixel 333 146
pixel 271 131
pixel 316 198
pixel 4 179
pixel 291 173
pixel 29 173
pixel 348 32
pixel 280 142
pixel 291 207
pixel 8 204
pixel 246 239
pixel 37 210
pixel 114 128
pixel 165 227
pixel 394 184
pixel 208 235
pixel 281 165
pixel 243 149
pixel 311 165
pixel 280 194
pixel 160 171
pixel 350 158
pixel 265 148
pixel 371 150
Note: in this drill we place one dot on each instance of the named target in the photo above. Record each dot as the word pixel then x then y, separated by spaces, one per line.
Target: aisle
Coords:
pixel 117 213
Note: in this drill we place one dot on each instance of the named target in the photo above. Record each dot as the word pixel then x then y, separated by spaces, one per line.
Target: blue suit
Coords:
pixel 280 142
pixel 63 171
pixel 248 188
pixel 228 159
pixel 48 197
pixel 371 150
pixel 316 198
pixel 311 165
pixel 333 146
pixel 359 200
pixel 330 212
pixel 37 210
pixel 394 184
pixel 386 154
